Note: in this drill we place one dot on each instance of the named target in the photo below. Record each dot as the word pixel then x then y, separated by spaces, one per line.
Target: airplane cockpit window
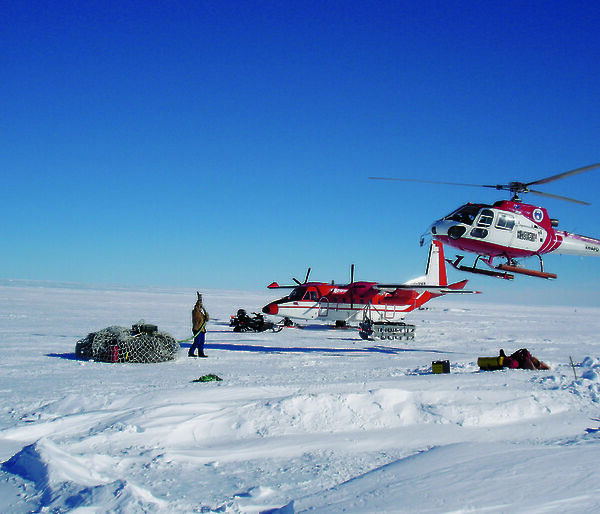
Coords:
pixel 505 222
pixel 310 295
pixel 465 214
pixel 296 294
pixel 486 218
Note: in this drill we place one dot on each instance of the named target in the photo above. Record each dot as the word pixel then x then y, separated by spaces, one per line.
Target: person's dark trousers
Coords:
pixel 198 344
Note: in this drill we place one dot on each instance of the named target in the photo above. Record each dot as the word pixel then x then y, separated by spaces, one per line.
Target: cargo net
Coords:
pixel 141 343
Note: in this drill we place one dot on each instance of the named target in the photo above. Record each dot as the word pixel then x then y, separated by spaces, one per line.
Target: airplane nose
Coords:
pixel 270 309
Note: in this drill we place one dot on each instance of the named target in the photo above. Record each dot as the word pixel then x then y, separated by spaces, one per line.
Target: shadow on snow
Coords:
pixel 307 349
pixel 258 348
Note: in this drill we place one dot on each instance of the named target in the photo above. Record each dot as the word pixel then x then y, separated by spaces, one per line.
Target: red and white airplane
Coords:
pixel 348 303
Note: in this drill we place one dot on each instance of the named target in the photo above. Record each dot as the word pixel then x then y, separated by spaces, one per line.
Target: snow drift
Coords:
pixel 313 420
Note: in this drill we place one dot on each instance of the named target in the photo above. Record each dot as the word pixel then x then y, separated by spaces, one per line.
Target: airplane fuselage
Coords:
pixel 354 301
pixel 318 300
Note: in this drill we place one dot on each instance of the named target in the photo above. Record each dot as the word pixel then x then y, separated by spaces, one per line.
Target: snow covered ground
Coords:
pixel 306 420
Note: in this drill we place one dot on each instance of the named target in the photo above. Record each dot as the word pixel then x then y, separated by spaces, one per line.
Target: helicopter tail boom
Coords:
pixel 573 244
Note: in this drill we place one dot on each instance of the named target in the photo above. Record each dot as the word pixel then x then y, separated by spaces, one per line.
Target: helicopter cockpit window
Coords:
pixel 465 214
pixel 479 232
pixel 486 218
pixel 505 222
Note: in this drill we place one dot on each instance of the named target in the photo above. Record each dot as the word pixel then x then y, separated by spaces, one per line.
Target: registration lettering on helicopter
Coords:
pixel 526 236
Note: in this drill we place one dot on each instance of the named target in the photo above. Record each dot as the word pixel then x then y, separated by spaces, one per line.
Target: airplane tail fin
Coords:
pixel 436 266
pixel 435 281
pixel 435 275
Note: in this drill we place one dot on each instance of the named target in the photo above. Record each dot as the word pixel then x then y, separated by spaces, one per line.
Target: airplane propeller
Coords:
pixel 352 289
pixel 513 187
pixel 305 279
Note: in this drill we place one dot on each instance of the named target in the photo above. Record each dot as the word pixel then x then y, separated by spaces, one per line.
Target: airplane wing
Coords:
pixel 457 287
pixel 275 285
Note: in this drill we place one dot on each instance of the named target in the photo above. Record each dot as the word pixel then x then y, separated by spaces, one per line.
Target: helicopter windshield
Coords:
pixel 465 214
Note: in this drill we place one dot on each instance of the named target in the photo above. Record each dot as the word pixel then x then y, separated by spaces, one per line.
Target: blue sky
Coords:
pixel 228 144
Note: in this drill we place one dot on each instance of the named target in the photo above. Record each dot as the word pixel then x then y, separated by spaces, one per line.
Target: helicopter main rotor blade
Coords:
pixel 428 181
pixel 499 187
pixel 563 175
pixel 557 197
pixel 514 187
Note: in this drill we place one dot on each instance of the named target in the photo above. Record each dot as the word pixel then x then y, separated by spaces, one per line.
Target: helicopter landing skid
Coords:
pixel 473 269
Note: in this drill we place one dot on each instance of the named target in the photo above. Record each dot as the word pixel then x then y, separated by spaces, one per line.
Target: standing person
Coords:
pixel 199 319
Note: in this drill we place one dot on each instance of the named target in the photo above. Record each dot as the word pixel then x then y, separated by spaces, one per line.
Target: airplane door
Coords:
pixel 390 311
pixel 323 307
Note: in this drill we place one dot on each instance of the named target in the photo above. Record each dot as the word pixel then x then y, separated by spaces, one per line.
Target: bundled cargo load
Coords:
pixel 142 343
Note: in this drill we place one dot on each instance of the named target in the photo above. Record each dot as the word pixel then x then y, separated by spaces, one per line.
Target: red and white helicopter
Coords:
pixel 509 229
pixel 348 303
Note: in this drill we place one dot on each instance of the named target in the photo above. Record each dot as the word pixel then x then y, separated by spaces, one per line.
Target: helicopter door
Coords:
pixel 504 232
pixel 323 307
pixel 485 220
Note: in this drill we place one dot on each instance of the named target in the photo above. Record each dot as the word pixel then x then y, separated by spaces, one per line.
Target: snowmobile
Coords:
pixel 241 322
